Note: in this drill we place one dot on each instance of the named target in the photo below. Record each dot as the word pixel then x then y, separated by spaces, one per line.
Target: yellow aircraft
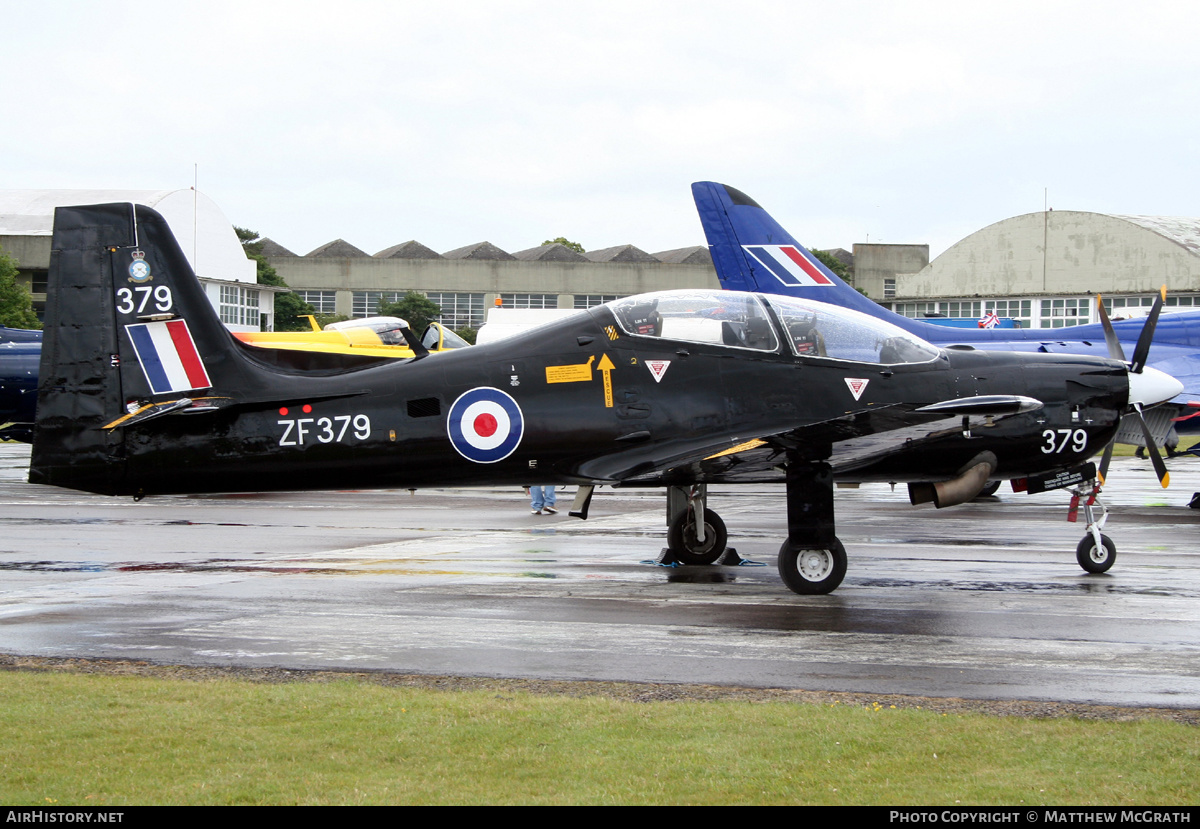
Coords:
pixel 371 336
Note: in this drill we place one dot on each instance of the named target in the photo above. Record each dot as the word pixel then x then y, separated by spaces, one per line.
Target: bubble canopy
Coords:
pixel 761 323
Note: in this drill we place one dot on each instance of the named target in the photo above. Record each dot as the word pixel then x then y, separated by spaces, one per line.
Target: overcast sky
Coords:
pixel 514 122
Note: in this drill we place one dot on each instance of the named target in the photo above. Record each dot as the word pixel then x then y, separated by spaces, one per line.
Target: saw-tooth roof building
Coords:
pixel 411 249
pixel 467 281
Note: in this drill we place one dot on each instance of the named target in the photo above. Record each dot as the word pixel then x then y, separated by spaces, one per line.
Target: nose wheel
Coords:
pixel 1096 558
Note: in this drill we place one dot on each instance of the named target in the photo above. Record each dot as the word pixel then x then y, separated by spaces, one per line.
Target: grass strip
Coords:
pixel 1125 450
pixel 72 739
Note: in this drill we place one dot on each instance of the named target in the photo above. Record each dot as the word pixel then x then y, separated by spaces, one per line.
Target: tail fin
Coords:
pixel 752 252
pixel 126 326
pixel 131 337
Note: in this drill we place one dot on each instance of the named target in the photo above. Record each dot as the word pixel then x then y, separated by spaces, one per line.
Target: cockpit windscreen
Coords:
pixel 817 329
pixel 740 320
pixel 718 317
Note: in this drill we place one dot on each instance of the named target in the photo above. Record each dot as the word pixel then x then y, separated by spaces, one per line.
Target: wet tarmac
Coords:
pixel 980 601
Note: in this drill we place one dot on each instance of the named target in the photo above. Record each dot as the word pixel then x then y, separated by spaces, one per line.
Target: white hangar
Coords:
pixel 205 235
pixel 1043 269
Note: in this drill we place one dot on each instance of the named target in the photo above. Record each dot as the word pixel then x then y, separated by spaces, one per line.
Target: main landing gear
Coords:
pixel 812 560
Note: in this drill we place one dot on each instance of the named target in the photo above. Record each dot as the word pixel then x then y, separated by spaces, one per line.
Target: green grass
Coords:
pixel 69 739
pixel 1124 450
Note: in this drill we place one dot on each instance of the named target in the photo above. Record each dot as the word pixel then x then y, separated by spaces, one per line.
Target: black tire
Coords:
pixel 681 538
pixel 989 489
pixel 809 571
pixel 1092 559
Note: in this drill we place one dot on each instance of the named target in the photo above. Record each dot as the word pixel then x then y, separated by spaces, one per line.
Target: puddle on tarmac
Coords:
pixel 1095 584
pixel 211 566
pixel 218 566
pixel 697 575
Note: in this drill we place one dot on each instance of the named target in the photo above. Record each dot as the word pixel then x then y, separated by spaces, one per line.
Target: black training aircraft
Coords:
pixel 142 391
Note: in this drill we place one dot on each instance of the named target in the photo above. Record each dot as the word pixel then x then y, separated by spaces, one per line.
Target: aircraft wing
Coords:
pixel 858 440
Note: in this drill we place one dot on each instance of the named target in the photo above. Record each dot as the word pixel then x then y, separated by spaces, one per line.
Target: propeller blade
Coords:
pixel 1143 344
pixel 1110 336
pixel 1160 467
pixel 1102 473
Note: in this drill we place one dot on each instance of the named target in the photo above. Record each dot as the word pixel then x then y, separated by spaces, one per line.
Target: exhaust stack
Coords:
pixel 970 482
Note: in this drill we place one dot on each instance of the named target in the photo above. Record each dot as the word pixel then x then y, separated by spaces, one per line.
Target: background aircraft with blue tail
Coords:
pixel 753 252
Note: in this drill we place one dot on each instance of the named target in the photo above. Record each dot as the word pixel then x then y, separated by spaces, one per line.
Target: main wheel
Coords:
pixel 811 571
pixel 1096 559
pixel 681 538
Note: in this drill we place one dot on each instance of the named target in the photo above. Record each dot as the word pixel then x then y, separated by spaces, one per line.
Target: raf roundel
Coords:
pixel 485 425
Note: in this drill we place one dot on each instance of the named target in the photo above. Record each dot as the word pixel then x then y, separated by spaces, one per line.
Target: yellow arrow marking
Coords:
pixel 606 366
pixel 571 374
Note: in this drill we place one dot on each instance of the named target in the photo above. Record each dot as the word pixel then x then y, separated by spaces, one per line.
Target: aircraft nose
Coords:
pixel 1152 387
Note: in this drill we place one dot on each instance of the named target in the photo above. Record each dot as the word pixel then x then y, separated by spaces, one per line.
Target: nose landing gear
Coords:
pixel 1096 552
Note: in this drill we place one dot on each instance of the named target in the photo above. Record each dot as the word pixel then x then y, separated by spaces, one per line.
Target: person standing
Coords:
pixel 541 499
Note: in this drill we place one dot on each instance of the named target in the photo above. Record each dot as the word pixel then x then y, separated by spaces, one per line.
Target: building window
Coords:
pixel 1139 306
pixel 889 288
pixel 1065 313
pixel 1020 310
pixel 321 301
pixel 459 310
pixel 1182 303
pixel 239 306
pixel 592 300
pixel 915 310
pixel 366 303
pixel 963 310
pixel 529 300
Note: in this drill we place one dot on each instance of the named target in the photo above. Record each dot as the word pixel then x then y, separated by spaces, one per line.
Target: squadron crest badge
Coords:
pixel 139 268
